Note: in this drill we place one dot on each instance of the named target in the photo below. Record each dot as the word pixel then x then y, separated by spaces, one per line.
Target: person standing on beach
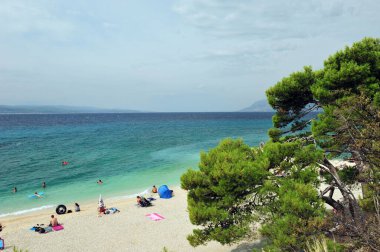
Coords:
pixel 43 185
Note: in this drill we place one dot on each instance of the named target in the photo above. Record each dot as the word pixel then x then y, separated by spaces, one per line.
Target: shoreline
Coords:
pixel 129 230
pixel 116 196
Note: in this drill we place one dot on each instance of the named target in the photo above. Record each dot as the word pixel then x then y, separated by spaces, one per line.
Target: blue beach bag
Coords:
pixel 2 245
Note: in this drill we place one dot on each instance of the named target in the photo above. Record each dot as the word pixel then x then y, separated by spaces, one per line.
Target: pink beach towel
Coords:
pixel 155 216
pixel 58 228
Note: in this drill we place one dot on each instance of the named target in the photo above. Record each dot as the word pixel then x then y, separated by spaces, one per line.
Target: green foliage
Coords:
pixel 234 180
pixel 274 134
pixel 297 85
pixel 219 191
pixel 296 210
pixel 296 214
pixel 323 244
pixel 348 91
pixel 348 73
pixel 15 249
pixel 277 185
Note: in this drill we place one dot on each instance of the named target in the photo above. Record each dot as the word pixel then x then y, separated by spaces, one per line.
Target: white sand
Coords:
pixel 355 189
pixel 129 230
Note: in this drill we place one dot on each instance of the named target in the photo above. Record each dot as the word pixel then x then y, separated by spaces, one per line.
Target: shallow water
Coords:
pixel 129 152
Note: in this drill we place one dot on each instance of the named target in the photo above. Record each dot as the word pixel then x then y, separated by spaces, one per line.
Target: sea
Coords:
pixel 129 152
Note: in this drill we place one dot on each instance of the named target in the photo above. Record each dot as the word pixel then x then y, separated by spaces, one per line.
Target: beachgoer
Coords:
pixel 43 184
pixel 138 199
pixel 154 189
pixel 1 227
pixel 53 221
pixel 77 208
pixel 14 189
pixel 37 195
pixel 99 182
pixel 101 206
pixel 143 202
pixel 172 192
pixel 65 163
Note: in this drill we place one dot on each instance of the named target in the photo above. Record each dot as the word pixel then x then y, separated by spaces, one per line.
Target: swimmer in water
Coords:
pixel 99 182
pixel 14 189
pixel 43 184
pixel 37 195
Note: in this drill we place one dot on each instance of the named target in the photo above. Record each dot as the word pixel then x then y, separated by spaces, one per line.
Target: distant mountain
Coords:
pixel 259 106
pixel 24 109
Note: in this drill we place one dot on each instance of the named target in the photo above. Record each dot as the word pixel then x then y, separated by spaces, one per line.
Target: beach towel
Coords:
pixel 58 228
pixel 155 216
pixel 47 229
pixel 111 210
pixel 38 226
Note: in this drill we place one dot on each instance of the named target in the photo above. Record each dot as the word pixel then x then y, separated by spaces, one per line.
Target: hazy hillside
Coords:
pixel 5 109
pixel 258 106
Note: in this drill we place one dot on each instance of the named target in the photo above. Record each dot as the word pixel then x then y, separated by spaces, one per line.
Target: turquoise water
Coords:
pixel 129 152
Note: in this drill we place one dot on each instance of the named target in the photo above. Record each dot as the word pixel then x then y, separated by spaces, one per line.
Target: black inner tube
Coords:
pixel 61 209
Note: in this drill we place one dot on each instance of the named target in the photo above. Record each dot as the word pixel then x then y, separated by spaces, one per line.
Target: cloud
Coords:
pixel 264 19
pixel 254 35
pixel 32 18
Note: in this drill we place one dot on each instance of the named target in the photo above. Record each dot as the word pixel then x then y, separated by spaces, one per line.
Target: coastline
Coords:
pixel 129 230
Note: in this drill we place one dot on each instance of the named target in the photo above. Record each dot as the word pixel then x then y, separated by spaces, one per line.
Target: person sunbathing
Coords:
pixel 154 189
pixel 53 221
pixel 143 202
pixel 138 199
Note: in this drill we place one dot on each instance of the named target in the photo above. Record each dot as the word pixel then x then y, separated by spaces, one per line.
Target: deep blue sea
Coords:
pixel 128 152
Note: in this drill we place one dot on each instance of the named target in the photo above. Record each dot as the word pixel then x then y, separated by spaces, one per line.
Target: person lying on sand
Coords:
pixel 53 221
pixel 143 202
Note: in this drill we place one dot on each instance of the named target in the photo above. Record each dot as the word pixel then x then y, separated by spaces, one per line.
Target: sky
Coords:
pixel 168 55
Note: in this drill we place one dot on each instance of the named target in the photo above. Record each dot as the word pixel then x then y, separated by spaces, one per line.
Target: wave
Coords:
pixel 130 196
pixel 26 211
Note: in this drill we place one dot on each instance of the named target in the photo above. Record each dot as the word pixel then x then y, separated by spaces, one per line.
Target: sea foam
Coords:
pixel 26 211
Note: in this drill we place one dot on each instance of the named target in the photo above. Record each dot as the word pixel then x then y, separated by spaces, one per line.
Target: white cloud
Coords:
pixel 268 19
pixel 31 17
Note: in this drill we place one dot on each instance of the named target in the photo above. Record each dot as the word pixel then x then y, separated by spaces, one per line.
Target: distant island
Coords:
pixel 258 106
pixel 25 109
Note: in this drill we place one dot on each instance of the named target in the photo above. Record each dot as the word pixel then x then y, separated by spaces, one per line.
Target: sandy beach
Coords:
pixel 129 230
